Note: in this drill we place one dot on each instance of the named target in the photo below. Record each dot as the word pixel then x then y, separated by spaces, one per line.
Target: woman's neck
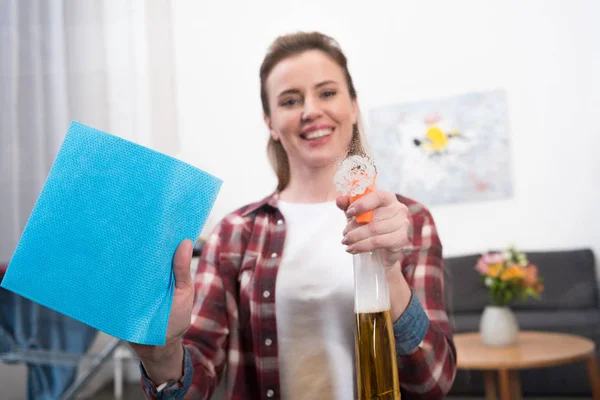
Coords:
pixel 310 186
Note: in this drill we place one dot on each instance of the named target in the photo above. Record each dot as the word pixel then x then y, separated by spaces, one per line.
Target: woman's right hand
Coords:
pixel 157 359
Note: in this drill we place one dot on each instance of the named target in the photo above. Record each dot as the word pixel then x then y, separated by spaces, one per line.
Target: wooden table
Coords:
pixel 533 350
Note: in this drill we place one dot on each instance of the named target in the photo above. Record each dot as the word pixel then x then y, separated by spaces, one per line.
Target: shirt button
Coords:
pixel 266 294
pixel 268 342
pixel 279 222
pixel 270 393
pixel 274 255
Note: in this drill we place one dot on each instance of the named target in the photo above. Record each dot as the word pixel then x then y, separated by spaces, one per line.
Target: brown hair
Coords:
pixel 282 48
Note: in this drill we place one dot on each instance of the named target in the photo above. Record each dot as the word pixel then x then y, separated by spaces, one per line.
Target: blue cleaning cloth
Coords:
pixel 99 243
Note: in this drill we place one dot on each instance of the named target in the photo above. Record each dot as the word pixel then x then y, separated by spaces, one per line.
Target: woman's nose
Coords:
pixel 311 110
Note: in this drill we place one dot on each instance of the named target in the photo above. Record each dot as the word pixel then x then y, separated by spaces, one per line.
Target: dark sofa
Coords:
pixel 569 304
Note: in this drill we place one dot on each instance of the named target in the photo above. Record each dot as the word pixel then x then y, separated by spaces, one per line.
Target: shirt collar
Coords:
pixel 269 201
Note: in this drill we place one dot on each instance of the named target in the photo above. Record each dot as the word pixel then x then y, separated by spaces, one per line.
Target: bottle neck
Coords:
pixel 371 293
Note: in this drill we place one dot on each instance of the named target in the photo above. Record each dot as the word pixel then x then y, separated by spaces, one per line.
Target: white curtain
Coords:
pixel 108 64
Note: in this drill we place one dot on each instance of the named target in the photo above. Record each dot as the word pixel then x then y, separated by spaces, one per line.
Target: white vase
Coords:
pixel 498 326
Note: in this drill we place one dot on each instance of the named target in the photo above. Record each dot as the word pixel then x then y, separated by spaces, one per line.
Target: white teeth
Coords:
pixel 318 134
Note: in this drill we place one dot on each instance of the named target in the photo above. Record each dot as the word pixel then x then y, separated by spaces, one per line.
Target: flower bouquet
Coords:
pixel 509 276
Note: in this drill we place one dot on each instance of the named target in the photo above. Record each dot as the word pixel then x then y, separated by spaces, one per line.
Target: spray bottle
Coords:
pixel 376 365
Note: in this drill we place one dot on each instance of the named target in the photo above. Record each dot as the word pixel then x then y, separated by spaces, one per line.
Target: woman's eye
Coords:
pixel 328 93
pixel 289 102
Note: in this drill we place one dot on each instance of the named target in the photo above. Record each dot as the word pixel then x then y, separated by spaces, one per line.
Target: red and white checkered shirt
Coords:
pixel 233 319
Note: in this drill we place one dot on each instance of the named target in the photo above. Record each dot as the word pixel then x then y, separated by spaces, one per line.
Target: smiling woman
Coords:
pixel 306 87
pixel 274 294
pixel 311 114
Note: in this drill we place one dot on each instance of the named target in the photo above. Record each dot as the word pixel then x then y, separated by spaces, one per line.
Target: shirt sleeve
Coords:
pixel 412 326
pixel 172 390
pixel 424 340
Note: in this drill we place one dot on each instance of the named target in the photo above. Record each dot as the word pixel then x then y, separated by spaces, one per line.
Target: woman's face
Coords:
pixel 312 113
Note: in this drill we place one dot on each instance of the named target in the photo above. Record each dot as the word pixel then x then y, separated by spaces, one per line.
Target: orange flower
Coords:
pixel 514 272
pixel 494 270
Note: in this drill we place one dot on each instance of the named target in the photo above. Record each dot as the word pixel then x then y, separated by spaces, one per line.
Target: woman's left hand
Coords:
pixel 387 232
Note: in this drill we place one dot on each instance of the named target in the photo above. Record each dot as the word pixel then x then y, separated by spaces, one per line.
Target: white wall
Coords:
pixel 545 54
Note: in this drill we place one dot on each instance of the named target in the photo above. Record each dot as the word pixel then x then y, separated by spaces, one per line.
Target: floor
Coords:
pixel 133 392
pixel 130 392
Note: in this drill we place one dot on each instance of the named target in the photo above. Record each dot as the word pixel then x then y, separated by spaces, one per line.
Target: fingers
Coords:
pixel 388 230
pixel 343 202
pixel 181 264
pixel 379 215
pixel 385 241
pixel 371 201
pixel 356 232
pixel 377 234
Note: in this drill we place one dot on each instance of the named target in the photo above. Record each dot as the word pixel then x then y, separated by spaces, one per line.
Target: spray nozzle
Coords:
pixel 355 177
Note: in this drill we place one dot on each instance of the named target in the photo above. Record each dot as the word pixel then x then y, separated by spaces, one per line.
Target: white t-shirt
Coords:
pixel 315 305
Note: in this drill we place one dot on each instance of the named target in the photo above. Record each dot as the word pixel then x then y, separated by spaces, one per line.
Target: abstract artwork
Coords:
pixel 446 150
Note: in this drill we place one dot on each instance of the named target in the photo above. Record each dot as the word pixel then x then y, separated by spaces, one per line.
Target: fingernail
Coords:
pixel 345 240
pixel 351 212
pixel 349 249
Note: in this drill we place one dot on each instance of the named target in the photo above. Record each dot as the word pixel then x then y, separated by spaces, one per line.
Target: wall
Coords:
pixel 545 55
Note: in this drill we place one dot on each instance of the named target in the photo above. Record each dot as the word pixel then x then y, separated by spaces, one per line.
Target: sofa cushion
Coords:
pixel 569 280
pixel 579 322
pixel 463 289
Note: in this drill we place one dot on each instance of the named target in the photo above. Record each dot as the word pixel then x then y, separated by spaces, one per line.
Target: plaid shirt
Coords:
pixel 233 319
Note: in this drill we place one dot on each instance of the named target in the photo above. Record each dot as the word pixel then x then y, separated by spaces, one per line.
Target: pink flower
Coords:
pixel 488 259
pixel 481 266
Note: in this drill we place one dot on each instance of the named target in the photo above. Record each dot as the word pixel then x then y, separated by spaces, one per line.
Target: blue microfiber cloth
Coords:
pixel 99 243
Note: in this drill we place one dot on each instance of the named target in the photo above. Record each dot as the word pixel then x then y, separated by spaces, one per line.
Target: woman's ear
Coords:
pixel 274 134
pixel 355 111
